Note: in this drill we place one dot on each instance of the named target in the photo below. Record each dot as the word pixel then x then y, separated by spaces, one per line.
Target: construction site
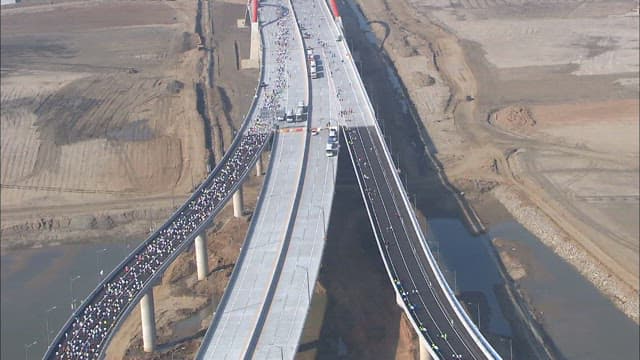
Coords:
pixel 511 112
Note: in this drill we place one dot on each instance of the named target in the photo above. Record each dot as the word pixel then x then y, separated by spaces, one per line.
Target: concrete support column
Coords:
pixel 148 322
pixel 237 203
pixel 259 166
pixel 424 349
pixel 254 53
pixel 253 62
pixel 399 300
pixel 202 262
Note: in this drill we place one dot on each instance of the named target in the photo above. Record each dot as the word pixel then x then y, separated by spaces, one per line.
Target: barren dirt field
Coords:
pixel 98 116
pixel 535 105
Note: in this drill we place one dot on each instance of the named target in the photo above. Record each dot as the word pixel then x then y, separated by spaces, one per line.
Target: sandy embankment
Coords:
pixel 454 109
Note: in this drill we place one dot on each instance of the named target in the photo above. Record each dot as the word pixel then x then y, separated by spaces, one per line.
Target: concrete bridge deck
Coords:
pixel 286 233
pixel 444 328
pixel 263 310
pixel 238 314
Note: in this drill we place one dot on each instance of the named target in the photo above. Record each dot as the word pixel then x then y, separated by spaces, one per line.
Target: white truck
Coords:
pixel 301 112
pixel 331 149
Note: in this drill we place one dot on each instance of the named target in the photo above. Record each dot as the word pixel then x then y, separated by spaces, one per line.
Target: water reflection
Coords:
pixel 469 267
pixel 581 321
pixel 33 281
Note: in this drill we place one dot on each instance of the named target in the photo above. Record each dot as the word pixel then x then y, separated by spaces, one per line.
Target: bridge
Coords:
pixel 263 309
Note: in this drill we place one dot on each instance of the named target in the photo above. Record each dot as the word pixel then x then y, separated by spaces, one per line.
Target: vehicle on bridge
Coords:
pixel 291 117
pixel 301 111
pixel 332 142
pixel 333 134
pixel 331 149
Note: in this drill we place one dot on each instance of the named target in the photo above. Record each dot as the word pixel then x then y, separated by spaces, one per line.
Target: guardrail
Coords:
pixel 303 166
pixel 483 344
pixel 379 238
pixel 50 353
pixel 243 253
pixel 247 242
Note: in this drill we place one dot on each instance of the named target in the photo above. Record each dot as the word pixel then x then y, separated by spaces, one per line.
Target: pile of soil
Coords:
pixel 515 118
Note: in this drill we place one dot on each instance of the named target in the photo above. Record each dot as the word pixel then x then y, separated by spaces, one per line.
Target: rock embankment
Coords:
pixel 540 225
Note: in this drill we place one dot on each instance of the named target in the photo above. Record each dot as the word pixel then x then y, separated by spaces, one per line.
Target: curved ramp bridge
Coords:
pixel 263 310
pixel 89 330
pixel 445 331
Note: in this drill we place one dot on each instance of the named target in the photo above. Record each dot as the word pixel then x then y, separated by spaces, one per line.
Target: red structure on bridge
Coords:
pixel 334 8
pixel 254 10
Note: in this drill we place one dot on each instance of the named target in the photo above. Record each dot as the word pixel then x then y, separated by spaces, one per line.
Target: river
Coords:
pixel 35 280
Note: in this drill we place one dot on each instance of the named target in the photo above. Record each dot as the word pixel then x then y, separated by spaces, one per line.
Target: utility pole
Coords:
pixel 47 323
pixel 73 300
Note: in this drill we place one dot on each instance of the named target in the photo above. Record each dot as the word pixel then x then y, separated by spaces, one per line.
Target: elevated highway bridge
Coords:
pixel 264 307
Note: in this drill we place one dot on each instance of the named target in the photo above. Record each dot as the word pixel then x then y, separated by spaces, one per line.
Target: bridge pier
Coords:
pixel 259 165
pixel 424 346
pixel 424 349
pixel 148 322
pixel 202 262
pixel 238 203
pixel 253 62
pixel 399 300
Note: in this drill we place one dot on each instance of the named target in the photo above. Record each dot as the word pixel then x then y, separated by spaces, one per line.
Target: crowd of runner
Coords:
pixel 91 325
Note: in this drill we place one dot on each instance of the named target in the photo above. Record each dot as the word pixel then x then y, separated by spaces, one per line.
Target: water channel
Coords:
pixel 36 280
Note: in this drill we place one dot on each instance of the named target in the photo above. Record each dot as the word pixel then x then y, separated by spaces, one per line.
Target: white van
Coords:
pixel 331 149
pixel 333 135
pixel 300 111
pixel 290 116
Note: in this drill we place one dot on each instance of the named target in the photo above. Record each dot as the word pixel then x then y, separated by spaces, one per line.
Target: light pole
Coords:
pixel 306 270
pixel 27 347
pixel 455 282
pixel 73 300
pixel 324 224
pixel 98 252
pixel 47 323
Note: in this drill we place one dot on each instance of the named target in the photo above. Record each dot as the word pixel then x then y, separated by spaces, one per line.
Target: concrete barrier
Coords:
pixel 49 354
pixel 466 321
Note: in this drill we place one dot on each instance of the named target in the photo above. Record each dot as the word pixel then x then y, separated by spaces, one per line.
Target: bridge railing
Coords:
pixel 464 318
pixel 247 242
pixel 241 257
pixel 247 121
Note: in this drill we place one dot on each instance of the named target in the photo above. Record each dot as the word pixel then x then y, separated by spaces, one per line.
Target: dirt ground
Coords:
pixel 101 135
pixel 98 116
pixel 100 125
pixel 104 134
pixel 532 106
